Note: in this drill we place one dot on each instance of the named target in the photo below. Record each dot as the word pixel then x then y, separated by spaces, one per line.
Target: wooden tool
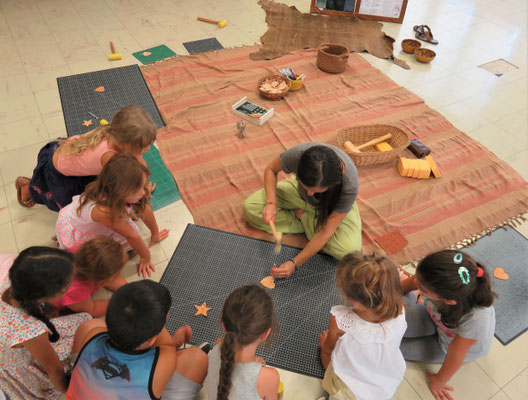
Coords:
pixel 277 236
pixel 114 56
pixel 356 149
pixel 220 24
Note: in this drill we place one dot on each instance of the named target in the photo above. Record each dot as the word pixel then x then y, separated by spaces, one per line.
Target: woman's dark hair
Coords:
pixel 439 273
pixel 37 273
pixel 247 313
pixel 98 260
pixel 372 281
pixel 320 166
pixel 137 312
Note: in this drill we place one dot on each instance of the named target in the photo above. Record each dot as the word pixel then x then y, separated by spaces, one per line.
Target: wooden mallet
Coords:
pixel 357 149
pixel 114 56
pixel 277 236
pixel 220 24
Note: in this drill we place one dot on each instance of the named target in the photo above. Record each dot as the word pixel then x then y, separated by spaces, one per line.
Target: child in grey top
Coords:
pixel 456 321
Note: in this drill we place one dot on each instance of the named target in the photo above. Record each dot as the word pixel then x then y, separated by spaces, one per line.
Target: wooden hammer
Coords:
pixel 114 56
pixel 220 24
pixel 356 149
pixel 277 236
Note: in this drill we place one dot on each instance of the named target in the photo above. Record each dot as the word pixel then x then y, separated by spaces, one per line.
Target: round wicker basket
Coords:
pixel 365 133
pixel 332 58
pixel 277 78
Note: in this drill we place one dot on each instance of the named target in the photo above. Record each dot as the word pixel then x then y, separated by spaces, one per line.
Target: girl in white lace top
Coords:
pixel 361 349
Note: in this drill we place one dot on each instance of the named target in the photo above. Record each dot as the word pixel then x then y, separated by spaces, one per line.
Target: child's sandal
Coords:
pixel 423 32
pixel 20 182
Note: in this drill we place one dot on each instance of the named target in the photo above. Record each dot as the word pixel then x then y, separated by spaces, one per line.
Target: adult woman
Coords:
pixel 319 201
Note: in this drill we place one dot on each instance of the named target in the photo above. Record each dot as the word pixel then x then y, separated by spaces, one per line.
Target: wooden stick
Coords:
pixel 374 141
pixel 211 21
pixel 112 47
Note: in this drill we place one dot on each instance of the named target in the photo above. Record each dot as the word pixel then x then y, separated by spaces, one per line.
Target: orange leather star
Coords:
pixel 87 123
pixel 202 310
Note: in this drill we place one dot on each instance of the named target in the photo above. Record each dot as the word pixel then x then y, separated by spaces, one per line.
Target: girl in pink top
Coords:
pixel 98 264
pixel 103 210
pixel 65 167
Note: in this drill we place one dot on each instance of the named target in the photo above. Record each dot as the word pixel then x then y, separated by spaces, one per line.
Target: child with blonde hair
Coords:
pixel 235 372
pixel 65 167
pixel 103 210
pixel 456 321
pixel 361 349
pixel 98 263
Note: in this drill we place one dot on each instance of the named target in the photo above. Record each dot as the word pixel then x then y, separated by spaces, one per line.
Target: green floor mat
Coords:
pixel 166 191
pixel 157 53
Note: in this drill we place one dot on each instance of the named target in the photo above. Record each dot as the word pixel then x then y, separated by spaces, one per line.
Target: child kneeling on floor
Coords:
pixel 360 350
pixel 98 264
pixel 456 321
pixel 134 356
pixel 235 372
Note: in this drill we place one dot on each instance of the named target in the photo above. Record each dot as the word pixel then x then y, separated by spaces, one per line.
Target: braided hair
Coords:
pixel 372 281
pixel 37 273
pixel 247 313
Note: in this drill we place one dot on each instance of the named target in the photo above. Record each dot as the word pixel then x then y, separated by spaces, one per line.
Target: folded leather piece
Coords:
pixel 419 149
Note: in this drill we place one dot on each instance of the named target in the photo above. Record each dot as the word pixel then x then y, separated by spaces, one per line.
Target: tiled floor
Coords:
pixel 41 40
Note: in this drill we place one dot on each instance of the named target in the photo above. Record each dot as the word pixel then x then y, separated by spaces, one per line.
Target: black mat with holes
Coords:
pixel 123 86
pixel 203 45
pixel 209 264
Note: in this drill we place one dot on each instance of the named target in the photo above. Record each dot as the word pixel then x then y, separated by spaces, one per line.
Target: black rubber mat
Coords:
pixel 209 264
pixel 203 46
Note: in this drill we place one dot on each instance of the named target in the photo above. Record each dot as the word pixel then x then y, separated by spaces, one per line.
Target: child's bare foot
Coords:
pixel 23 196
pixel 299 212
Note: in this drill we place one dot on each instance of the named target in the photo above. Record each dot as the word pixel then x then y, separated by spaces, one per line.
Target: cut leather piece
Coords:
pixel 392 242
pixel 268 282
pixel 500 274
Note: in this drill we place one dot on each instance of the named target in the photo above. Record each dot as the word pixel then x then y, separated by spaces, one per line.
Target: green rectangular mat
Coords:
pixel 166 191
pixel 158 53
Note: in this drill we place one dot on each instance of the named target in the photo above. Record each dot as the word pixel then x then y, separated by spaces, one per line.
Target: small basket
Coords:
pixel 296 85
pixel 424 55
pixel 365 133
pixel 273 96
pixel 332 58
pixel 410 45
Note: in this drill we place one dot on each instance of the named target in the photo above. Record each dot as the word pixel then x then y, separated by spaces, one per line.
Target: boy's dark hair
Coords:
pixel 137 312
pixel 39 272
pixel 98 260
pixel 439 273
pixel 248 312
pixel 320 166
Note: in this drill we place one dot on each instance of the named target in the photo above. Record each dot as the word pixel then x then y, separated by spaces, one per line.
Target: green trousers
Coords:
pixel 346 238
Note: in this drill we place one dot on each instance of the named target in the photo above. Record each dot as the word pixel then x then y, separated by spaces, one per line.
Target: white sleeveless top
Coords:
pixel 367 358
pixel 243 379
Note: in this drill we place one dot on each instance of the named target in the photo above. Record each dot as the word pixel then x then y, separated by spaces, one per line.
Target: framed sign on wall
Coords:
pixel 379 10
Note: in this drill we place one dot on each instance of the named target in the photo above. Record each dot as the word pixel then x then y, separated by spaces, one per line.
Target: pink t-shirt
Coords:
pixel 85 164
pixel 78 291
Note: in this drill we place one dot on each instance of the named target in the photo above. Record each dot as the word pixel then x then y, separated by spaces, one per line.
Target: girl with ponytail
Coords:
pixel 360 350
pixel 34 347
pixel 456 321
pixel 235 372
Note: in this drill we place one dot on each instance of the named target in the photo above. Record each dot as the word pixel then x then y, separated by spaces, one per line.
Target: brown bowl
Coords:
pixel 273 95
pixel 424 55
pixel 410 45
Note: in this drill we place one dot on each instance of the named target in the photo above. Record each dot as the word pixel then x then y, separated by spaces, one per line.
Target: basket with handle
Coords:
pixel 364 133
pixel 332 57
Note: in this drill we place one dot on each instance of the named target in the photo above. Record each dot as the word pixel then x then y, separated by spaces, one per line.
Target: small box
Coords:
pixel 251 112
pixel 425 169
pixel 416 168
pixel 403 166
pixel 383 146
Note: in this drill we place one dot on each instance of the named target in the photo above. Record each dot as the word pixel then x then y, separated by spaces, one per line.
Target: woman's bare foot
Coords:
pixel 299 212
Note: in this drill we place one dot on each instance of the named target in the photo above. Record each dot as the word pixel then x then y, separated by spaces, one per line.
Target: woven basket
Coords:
pixel 273 96
pixel 296 85
pixel 332 58
pixel 365 133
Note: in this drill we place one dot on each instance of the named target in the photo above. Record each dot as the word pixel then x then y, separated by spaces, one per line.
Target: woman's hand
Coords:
pixel 283 271
pixel 145 267
pixel 438 387
pixel 158 237
pixel 269 212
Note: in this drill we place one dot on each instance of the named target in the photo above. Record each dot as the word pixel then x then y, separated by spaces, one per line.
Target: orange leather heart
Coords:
pixel 268 282
pixel 100 89
pixel 500 274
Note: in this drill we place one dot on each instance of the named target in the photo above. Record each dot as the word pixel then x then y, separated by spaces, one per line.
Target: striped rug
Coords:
pixel 215 171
